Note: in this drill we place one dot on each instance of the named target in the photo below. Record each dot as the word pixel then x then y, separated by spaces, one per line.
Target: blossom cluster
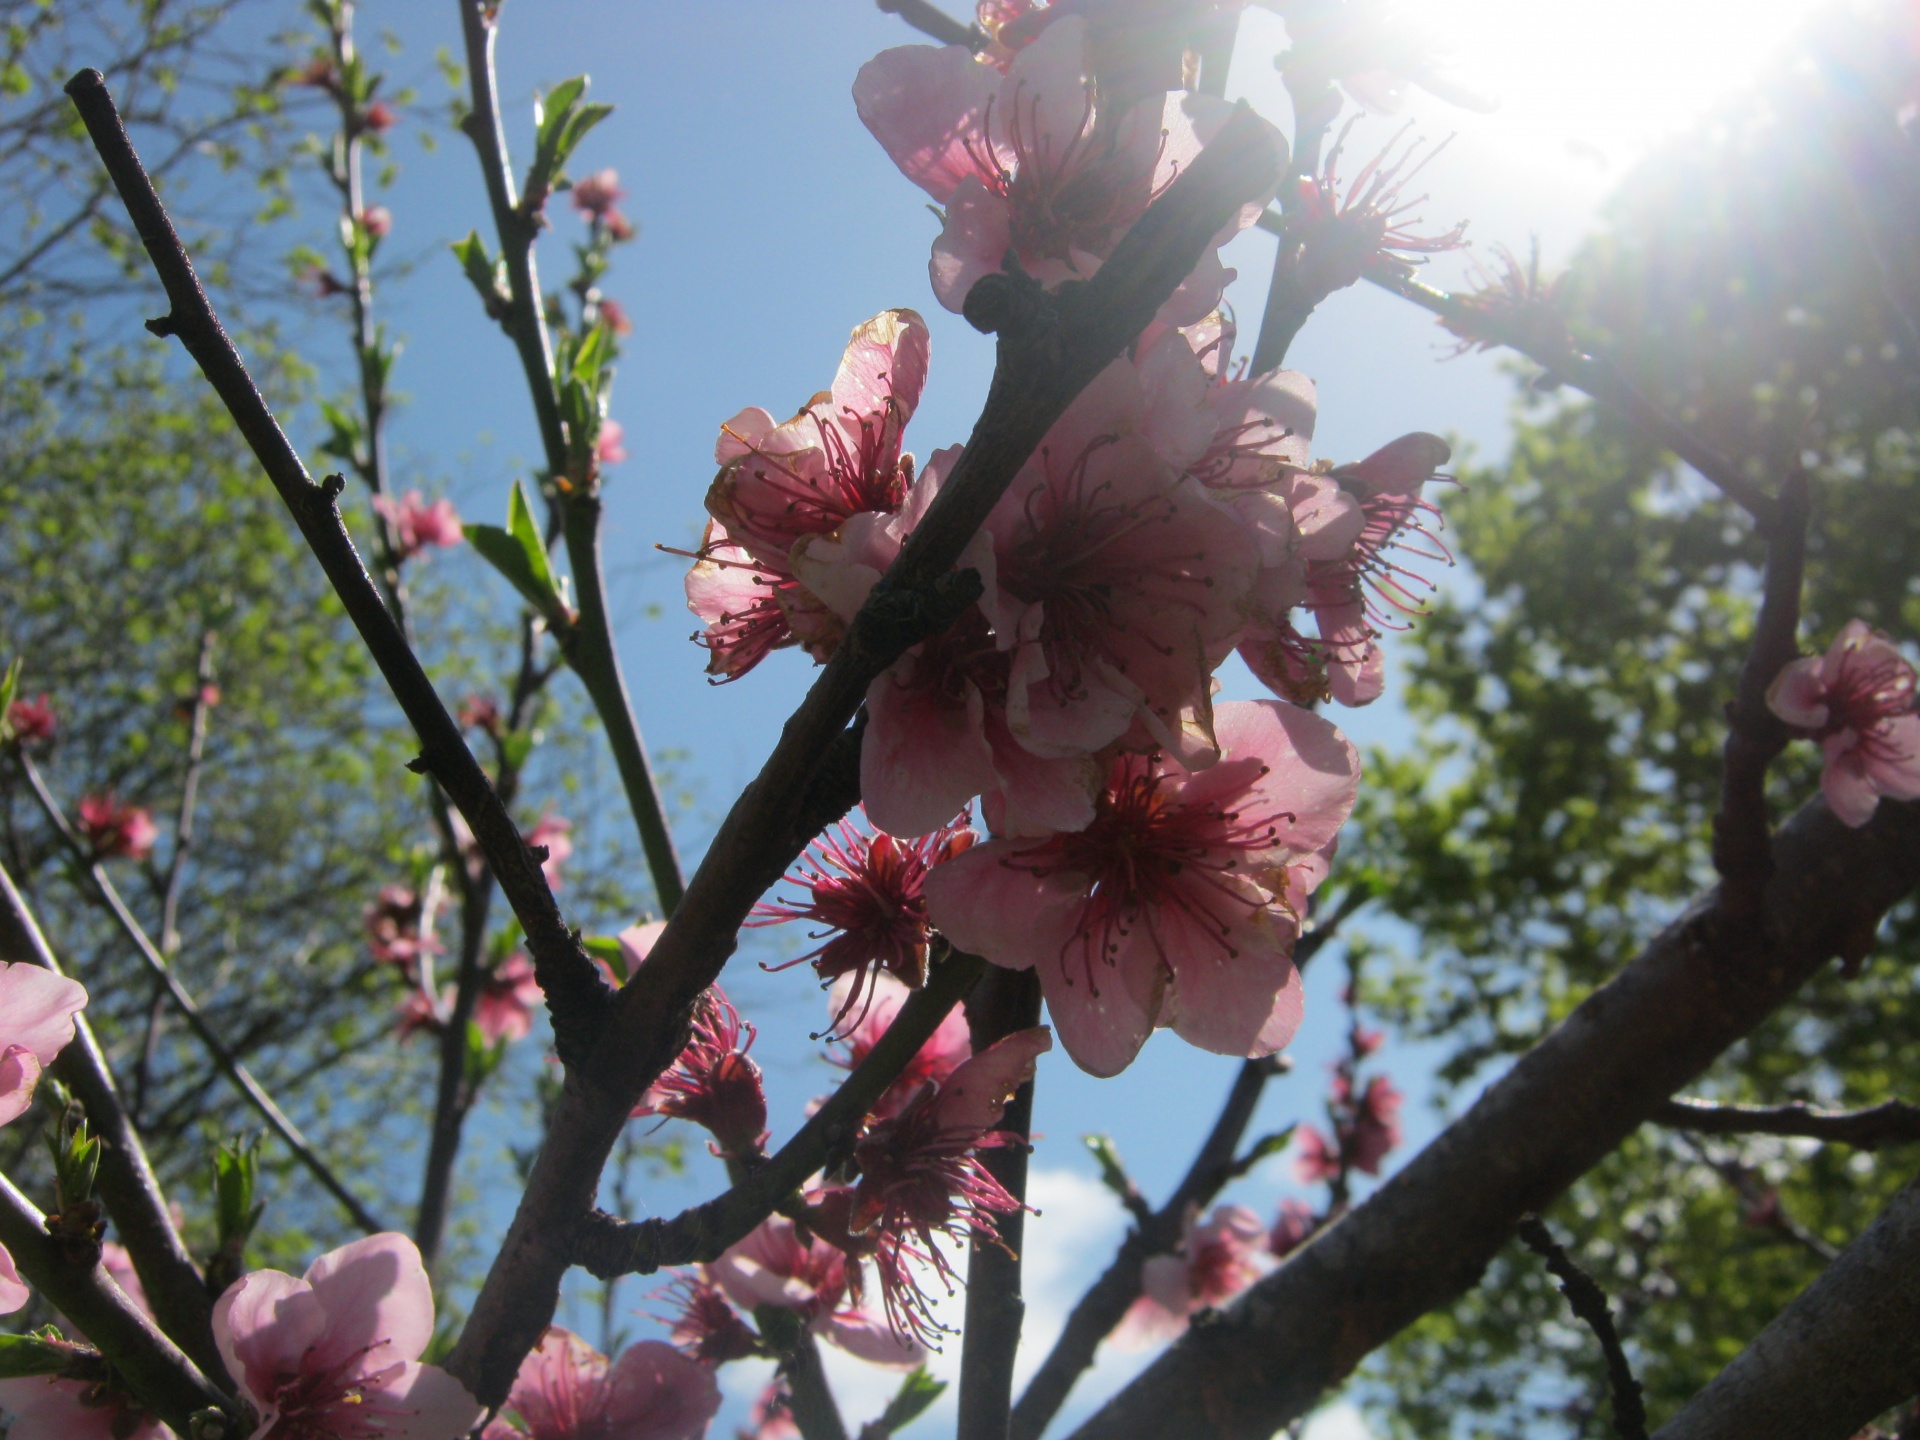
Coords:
pixel 1152 852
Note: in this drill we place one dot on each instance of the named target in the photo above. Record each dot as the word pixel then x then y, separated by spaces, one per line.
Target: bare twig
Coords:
pixel 1004 1001
pixel 576 994
pixel 1589 1304
pixel 1425 1236
pixel 1846 1350
pixel 126 1181
pixel 929 19
pixel 157 1370
pixel 588 642
pixel 1892 1122
pixel 183 1001
pixel 1050 347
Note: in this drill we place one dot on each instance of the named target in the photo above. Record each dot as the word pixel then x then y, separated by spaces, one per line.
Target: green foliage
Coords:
pixel 519 552
pixel 1556 808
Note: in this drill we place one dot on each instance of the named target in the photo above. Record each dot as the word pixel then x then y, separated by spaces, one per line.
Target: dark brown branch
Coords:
pixel 809 1397
pixel 607 1246
pixel 1600 380
pixel 588 642
pixel 1159 1232
pixel 1589 1304
pixel 125 1182
pixel 1755 735
pixel 1845 1351
pixel 1423 1238
pixel 1892 1122
pixel 576 994
pixel 182 999
pixel 1050 347
pixel 930 19
pixel 79 1285
pixel 1003 1002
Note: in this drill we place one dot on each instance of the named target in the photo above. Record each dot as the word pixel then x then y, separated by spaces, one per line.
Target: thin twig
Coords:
pixel 588 642
pixel 929 19
pixel 79 1285
pixel 1589 1303
pixel 1005 1001
pixel 1892 1122
pixel 126 1181
pixel 1050 348
pixel 576 993
pixel 183 1001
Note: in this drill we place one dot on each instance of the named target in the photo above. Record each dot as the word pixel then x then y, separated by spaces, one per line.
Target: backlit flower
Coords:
pixel 112 829
pixel 508 994
pixel 414 524
pixel 566 1390
pixel 1292 1227
pixel 37 1009
pixel 597 194
pixel 775 1266
pixel 945 1050
pixel 1171 908
pixel 1857 700
pixel 1219 1257
pixel 392 921
pixel 334 1355
pixel 1341 232
pixel 32 719
pixel 610 448
pixel 864 891
pixel 712 1082
pixel 45 1407
pixel 704 1323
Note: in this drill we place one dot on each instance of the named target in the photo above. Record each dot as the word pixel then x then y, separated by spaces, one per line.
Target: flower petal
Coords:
pixel 378 1302
pixel 37 1009
pixel 657 1393
pixel 927 107
pixel 263 1326
pixel 13 1290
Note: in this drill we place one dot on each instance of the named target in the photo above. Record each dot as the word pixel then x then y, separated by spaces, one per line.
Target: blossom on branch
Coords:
pixel 775 1265
pixel 704 1323
pixel 1219 1257
pixel 37 1010
pixel 555 832
pixel 712 1082
pixel 115 830
pixel 508 994
pixel 566 1390
pixel 1857 701
pixel 1292 1227
pixel 414 524
pixel 334 1355
pixel 46 1407
pixel 1173 906
pixel 1342 234
pixel 865 892
pixel 32 719
pixel 945 1050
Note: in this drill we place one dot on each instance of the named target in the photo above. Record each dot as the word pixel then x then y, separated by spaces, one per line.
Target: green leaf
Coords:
pixel 9 686
pixel 550 110
pixel 910 1401
pixel 1263 1147
pixel 43 1354
pixel 236 1171
pixel 483 272
pixel 607 948
pixel 519 553
pixel 1113 1175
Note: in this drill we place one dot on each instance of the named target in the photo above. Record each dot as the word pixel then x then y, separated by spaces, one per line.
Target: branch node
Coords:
pixel 1007 303
pixel 420 765
pixel 163 326
pixel 333 487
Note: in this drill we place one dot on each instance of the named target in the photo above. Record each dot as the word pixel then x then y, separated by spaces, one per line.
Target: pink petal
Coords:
pixel 1102 1029
pixel 1798 694
pixel 37 1009
pixel 886 360
pixel 1048 90
pixel 975 1096
pixel 637 942
pixel 1897 774
pixel 13 1290
pixel 263 1326
pixel 1851 795
pixel 1312 774
pixel 47 1408
pixel 1036 796
pixel 19 1073
pixel 1149 1323
pixel 927 106
pixel 1246 1005
pixel 972 243
pixel 986 904
pixel 378 1302
pixel 432 1405
pixel 659 1394
pixel 870 1338
pixel 922 759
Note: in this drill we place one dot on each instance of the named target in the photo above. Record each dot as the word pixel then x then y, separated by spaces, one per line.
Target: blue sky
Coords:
pixel 771 225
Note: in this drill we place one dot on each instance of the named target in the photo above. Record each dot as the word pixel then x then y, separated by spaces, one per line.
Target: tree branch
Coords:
pixel 183 1001
pixel 1845 1351
pixel 1003 1002
pixel 1424 1237
pixel 576 994
pixel 80 1287
pixel 1050 347
pixel 1589 1304
pixel 588 642
pixel 126 1182
pixel 1892 1122
pixel 929 19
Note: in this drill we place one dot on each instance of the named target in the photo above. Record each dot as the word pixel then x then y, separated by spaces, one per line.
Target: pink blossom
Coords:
pixel 378 118
pixel 420 1014
pixel 334 1355
pixel 773 1266
pixel 113 829
pixel 1340 235
pixel 864 891
pixel 1857 700
pixel 1318 1158
pixel 32 719
pixel 37 1009
pixel 1171 907
pixel 415 524
pixel 610 448
pixel 1292 1227
pixel 45 1407
pixel 613 315
pixel 480 712
pixel 1376 1125
pixel 712 1082
pixel 944 1052
pixel 704 1323
pixel 772 1415
pixel 783 483
pixel 508 994
pixel 555 832
pixel 920 1175
pixel 377 221
pixel 566 1390
pixel 392 921
pixel 597 194
pixel 1219 1257
pixel 14 1293
pixel 1030 163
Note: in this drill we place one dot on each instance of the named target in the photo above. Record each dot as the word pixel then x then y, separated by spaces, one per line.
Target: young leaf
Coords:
pixel 910 1401
pixel 519 553
pixel 22 1356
